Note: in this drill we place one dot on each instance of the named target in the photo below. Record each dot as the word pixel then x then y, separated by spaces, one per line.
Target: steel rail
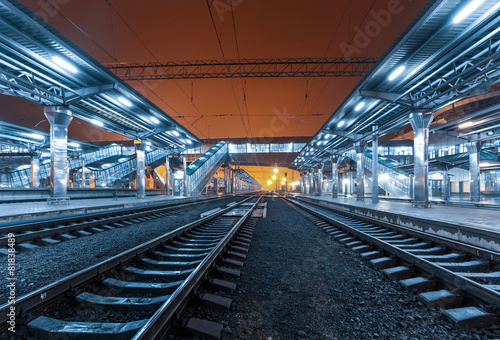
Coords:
pixel 159 323
pixel 44 295
pixel 467 285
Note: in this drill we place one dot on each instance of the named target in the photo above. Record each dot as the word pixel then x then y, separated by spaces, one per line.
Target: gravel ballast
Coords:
pixel 38 267
pixel 299 283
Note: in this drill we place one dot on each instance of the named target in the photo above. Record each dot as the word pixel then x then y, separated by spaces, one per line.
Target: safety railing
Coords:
pixel 393 181
pixel 203 169
pixel 124 170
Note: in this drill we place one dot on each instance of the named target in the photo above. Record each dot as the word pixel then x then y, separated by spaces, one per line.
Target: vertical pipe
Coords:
pixel 141 169
pixel 185 176
pixel 375 165
pixel 412 192
pixel 167 176
pixel 335 176
pixel 360 170
pixel 474 149
pixel 35 169
pixel 420 123
pixel 59 118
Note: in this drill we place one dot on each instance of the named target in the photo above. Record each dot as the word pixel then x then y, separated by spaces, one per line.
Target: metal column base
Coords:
pixel 416 204
pixel 55 200
pixel 140 196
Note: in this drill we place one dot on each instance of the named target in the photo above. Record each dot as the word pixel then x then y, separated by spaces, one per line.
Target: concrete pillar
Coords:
pixel 301 182
pixel 446 185
pixel 320 179
pixel 360 170
pixel 140 150
pixel 83 174
pixel 412 180
pixel 185 176
pixel 35 168
pixel 335 176
pixel 420 123
pixel 227 179
pixel 59 118
pixel 375 165
pixel 167 176
pixel 474 149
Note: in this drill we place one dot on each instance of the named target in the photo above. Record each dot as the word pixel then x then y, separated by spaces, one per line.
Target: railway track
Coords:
pixel 51 231
pixel 139 293
pixel 461 279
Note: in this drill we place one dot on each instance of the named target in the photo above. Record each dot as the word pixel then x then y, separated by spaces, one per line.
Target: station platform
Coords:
pixel 480 227
pixel 24 211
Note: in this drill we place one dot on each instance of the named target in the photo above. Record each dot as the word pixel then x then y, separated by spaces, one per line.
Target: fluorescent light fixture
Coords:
pixel 397 72
pixel 467 10
pixel 97 122
pixel 359 106
pixel 154 120
pixel 37 136
pixel 328 136
pixel 188 141
pixel 148 143
pixel 465 125
pixel 489 133
pixel 125 101
pixel 484 164
pixel 73 144
pixel 64 64
pixel 175 133
pixel 340 124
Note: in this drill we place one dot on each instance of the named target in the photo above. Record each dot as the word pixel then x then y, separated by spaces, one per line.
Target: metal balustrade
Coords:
pixel 204 168
pixel 395 182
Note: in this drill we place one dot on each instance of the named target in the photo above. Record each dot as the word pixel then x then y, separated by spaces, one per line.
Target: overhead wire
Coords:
pixel 153 55
pixel 227 67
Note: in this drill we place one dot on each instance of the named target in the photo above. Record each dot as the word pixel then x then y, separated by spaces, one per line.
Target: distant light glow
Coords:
pixel 359 106
pixel 73 144
pixel 275 170
pixel 175 133
pixel 397 72
pixel 489 133
pixel 64 64
pixel 37 136
pixel 125 101
pixel 340 124
pixel 328 136
pixel 274 177
pixel 467 10
pixel 269 182
pixel 97 122
pixel 154 120
pixel 188 141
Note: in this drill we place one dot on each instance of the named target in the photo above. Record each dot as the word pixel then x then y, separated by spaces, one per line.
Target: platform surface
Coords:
pixel 23 211
pixel 472 217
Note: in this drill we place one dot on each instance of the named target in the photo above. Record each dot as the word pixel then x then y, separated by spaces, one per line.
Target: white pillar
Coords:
pixel 360 170
pixel 141 169
pixel 375 165
pixel 474 150
pixel 59 118
pixel 35 168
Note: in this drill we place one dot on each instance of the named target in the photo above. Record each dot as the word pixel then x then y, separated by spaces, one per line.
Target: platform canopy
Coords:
pixel 30 139
pixel 39 64
pixel 450 51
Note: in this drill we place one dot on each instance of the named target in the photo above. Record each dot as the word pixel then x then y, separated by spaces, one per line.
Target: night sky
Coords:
pixel 143 31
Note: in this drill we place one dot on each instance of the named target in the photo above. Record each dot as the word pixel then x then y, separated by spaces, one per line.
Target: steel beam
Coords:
pixel 375 165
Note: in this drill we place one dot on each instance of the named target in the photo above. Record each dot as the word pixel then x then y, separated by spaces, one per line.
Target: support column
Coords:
pixel 420 123
pixel 360 170
pixel 234 182
pixel 412 192
pixel 35 168
pixel 140 149
pixel 309 183
pixel 59 118
pixel 301 183
pixel 83 174
pixel 293 180
pixel 446 185
pixel 335 176
pixel 320 179
pixel 474 149
pixel 227 179
pixel 167 176
pixel 185 176
pixel 375 165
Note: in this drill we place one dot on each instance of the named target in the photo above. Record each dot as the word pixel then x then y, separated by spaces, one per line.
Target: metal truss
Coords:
pixel 245 68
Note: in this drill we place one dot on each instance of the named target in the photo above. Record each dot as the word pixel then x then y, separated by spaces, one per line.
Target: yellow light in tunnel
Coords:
pixel 274 178
pixel 275 170
pixel 269 182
